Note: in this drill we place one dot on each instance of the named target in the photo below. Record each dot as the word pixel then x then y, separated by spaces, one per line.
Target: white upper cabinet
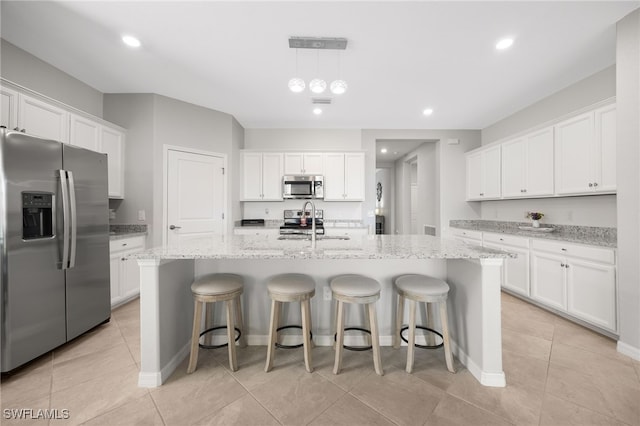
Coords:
pixel 344 176
pixel 261 175
pixel 8 108
pixel 308 163
pixel 483 174
pixel 40 118
pixel 527 165
pixel 586 153
pixel 84 133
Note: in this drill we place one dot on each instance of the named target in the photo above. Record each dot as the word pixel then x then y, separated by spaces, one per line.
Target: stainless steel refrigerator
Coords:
pixel 54 245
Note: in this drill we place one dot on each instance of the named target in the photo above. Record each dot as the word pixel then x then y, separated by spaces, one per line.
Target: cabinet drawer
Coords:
pixel 504 239
pixel 466 233
pixel 126 244
pixel 597 254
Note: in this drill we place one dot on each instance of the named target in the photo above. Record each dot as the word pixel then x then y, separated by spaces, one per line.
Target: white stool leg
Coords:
pixel 431 321
pixel 195 336
pixel 335 326
pixel 399 317
pixel 240 322
pixel 208 323
pixel 337 366
pixel 273 334
pixel 231 336
pixel 412 335
pixel 375 339
pixel 306 326
pixel 445 336
pixel 367 326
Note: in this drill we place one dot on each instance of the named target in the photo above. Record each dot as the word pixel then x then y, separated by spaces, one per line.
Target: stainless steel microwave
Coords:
pixel 302 186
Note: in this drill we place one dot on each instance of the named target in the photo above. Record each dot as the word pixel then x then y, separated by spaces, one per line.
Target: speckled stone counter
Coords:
pixel 118 232
pixel 591 235
pixel 357 247
pixel 473 274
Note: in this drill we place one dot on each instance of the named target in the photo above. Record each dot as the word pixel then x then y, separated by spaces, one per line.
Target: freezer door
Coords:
pixel 33 288
pixel 88 289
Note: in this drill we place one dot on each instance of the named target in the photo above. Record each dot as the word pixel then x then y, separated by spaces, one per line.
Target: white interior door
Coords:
pixel 195 196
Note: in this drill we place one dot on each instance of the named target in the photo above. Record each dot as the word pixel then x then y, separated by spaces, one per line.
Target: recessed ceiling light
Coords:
pixel 505 43
pixel 317 111
pixel 428 111
pixel 130 41
pixel 383 150
pixel 395 152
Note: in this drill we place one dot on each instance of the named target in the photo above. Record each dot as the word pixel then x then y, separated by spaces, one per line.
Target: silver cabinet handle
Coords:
pixel 172 227
pixel 595 184
pixel 562 265
pixel 590 185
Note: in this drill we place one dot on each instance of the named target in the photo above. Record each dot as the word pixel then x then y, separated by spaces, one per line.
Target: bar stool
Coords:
pixel 290 288
pixel 217 288
pixel 422 288
pixel 362 290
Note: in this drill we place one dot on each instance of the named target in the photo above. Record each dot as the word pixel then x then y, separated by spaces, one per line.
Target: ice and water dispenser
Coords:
pixel 37 215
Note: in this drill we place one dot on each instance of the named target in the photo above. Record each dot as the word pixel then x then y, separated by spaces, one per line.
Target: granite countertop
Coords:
pixel 118 232
pixel 359 247
pixel 590 235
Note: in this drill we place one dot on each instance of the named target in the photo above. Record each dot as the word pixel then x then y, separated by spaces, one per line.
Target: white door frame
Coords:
pixel 165 184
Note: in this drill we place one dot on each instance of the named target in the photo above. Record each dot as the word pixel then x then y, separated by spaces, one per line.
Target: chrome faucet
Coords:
pixel 313 220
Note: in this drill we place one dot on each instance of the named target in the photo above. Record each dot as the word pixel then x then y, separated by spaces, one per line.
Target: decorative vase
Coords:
pixel 535 223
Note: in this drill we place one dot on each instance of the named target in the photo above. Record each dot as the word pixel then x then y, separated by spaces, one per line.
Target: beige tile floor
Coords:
pixel 558 373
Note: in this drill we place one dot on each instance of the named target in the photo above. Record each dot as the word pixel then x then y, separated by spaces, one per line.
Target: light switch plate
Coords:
pixel 142 215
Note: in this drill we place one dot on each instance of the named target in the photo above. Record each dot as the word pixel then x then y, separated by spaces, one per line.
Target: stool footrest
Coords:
pixel 224 345
pixel 354 348
pixel 423 346
pixel 281 346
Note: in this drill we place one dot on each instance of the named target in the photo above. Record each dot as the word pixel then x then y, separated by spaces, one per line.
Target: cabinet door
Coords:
pixel 334 177
pixel 548 280
pixel 293 163
pixel 474 176
pixel 516 271
pixel 605 178
pixel 8 108
pixel 84 133
pixel 591 291
pixel 514 155
pixel 491 173
pixel 313 163
pixel 354 176
pixel 574 155
pixel 539 164
pixel 114 270
pixel 272 171
pixel 112 144
pixel 251 165
pixel 42 119
pixel 130 273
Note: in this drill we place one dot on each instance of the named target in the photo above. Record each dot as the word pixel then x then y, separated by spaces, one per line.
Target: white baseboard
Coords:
pixel 496 380
pixel 628 350
pixel 153 380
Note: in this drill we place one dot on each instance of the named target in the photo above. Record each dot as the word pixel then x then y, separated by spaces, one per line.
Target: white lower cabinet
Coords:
pixel 344 231
pixel 125 273
pixel 467 236
pixel 579 280
pixel 515 273
pixel 256 230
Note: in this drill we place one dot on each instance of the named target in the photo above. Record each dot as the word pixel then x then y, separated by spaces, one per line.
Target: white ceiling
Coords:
pixel 402 57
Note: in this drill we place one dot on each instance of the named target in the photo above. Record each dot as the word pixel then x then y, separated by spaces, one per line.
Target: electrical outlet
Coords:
pixel 142 215
pixel 327 293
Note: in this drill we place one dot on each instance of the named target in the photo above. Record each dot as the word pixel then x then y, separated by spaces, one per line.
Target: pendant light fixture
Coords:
pixel 318 85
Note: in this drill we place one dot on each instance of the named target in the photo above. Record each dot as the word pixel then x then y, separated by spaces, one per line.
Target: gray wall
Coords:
pixel 153 122
pixel 450 163
pixel 28 71
pixel 587 211
pixel 628 177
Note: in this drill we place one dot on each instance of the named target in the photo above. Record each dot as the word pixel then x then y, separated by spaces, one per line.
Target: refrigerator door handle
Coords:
pixel 65 218
pixel 74 219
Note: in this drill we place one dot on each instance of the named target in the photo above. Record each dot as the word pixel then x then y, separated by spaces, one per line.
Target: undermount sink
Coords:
pixel 308 237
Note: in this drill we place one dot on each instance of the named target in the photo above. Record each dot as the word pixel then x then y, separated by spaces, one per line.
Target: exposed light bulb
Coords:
pixel 317 85
pixel 505 43
pixel 131 41
pixel 317 111
pixel 428 111
pixel 296 85
pixel 338 87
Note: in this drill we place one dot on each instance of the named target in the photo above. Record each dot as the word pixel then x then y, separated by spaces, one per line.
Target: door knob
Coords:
pixel 172 227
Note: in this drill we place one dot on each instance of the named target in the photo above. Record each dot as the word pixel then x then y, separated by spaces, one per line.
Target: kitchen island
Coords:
pixel 473 273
